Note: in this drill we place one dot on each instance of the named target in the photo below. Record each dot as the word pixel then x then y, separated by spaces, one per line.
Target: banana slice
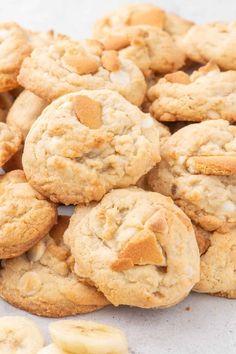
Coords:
pixel 51 349
pixel 19 335
pixel 85 337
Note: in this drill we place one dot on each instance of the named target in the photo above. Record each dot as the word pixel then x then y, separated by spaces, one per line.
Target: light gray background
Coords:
pixel 210 326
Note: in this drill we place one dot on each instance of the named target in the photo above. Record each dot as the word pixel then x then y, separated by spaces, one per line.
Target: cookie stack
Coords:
pixel 145 152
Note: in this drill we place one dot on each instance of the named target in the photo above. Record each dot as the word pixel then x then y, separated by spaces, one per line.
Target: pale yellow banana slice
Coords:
pixel 19 335
pixel 51 349
pixel 85 337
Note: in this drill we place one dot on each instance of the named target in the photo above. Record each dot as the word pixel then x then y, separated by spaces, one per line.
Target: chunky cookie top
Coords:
pixel 149 47
pixel 211 41
pixel 86 143
pixel 205 94
pixel 42 280
pixel 136 240
pixel 69 66
pixel 198 170
pixel 25 215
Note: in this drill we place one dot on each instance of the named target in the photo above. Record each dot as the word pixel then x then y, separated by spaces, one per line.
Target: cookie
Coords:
pixel 142 14
pixel 125 243
pixel 149 47
pixel 14 47
pixel 25 216
pixel 69 66
pixel 205 94
pixel 84 144
pixel 10 141
pixel 198 171
pixel 25 110
pixel 6 100
pixel 41 281
pixel 218 263
pixel 211 41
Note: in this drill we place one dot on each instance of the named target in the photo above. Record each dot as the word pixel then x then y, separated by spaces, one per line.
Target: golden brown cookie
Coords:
pixel 150 48
pixel 137 247
pixel 198 170
pixel 42 281
pixel 26 109
pixel 69 66
pixel 218 263
pixel 10 141
pixel 14 47
pixel 142 14
pixel 25 215
pixel 86 143
pixel 211 41
pixel 205 94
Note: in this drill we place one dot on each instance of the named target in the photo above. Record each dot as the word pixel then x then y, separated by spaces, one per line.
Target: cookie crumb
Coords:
pixel 188 308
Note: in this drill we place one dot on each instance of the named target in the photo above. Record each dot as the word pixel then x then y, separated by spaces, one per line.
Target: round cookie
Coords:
pixel 10 141
pixel 141 14
pixel 42 282
pixel 25 215
pixel 133 240
pixel 14 47
pixel 149 47
pixel 84 144
pixel 211 41
pixel 6 100
pixel 69 66
pixel 198 171
pixel 218 263
pixel 205 94
pixel 25 110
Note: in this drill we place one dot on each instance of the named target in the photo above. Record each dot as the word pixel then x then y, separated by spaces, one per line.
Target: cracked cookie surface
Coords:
pixel 206 94
pixel 42 281
pixel 212 41
pixel 198 170
pixel 84 144
pixel 69 66
pixel 149 47
pixel 26 216
pixel 135 240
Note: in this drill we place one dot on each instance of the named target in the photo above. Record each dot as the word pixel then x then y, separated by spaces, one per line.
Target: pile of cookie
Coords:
pixel 134 128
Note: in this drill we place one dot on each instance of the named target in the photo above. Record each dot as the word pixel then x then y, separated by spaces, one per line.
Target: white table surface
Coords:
pixel 210 325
